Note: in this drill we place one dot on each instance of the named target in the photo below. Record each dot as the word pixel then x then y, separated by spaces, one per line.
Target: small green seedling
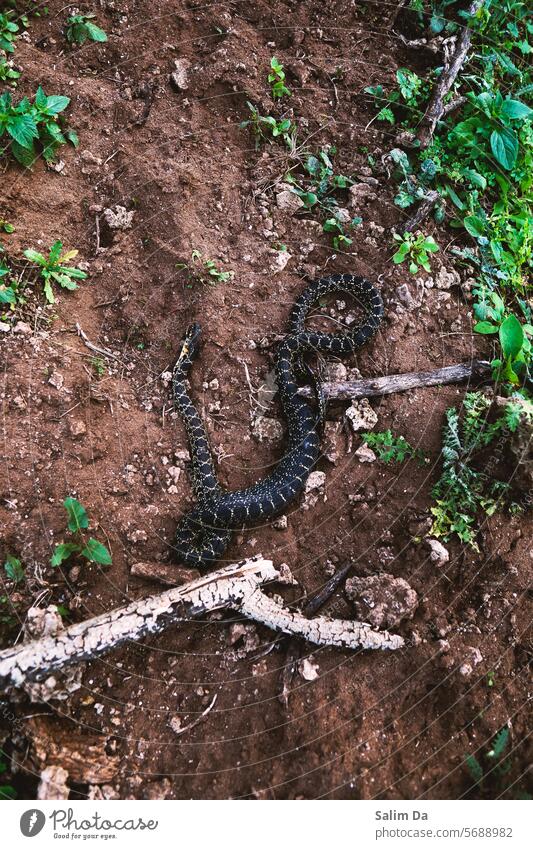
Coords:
pixel 80 29
pixel 27 123
pixel 202 270
pixel 265 127
pixel 276 79
pixel 514 338
pixel 13 569
pixel 6 226
pixel 98 365
pixel 391 448
pixel 54 269
pixel 416 249
pixel 90 549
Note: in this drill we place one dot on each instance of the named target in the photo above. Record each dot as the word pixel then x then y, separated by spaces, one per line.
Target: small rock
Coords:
pixel 288 202
pixel 445 278
pixel 335 372
pixel 265 428
pixel 361 415
pixel 77 428
pixel 56 380
pixel 118 217
pixel 53 784
pixel 279 261
pixel 22 327
pixel 314 489
pixel 179 78
pixel 406 297
pixel 280 524
pixel 4 327
pixel 365 454
pixel 175 724
pixel 308 669
pixel 382 600
pixel 332 432
pixel 439 555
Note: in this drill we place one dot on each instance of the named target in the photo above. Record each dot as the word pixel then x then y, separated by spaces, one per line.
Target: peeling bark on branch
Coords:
pixel 372 387
pixel 436 107
pixel 238 587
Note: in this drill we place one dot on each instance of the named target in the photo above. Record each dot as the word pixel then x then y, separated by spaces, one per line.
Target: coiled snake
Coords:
pixel 204 533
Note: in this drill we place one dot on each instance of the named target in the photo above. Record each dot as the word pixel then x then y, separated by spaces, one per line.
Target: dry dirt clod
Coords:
pixel 382 600
pixel 118 217
pixel 53 784
pixel 438 553
pixel 179 78
pixel 266 428
pixel 288 202
pixel 361 415
pixel 314 489
pixel 365 454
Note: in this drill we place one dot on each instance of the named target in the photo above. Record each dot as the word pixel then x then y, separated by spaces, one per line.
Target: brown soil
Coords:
pixel 395 725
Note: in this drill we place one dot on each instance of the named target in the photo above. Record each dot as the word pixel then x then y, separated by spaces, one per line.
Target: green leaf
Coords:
pixel 77 515
pixel 8 296
pixel 95 33
pixel 511 337
pixel 500 744
pixel 516 109
pixel 48 292
pixel 474 225
pixel 485 327
pixel 55 252
pixel 40 98
pixel 25 155
pixel 62 552
pixel 34 256
pixel 13 569
pixel 504 146
pixel 72 137
pixel 56 103
pixel 97 553
pixel 23 129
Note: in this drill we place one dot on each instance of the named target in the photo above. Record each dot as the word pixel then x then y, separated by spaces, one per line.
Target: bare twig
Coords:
pixel 198 719
pixel 372 387
pixel 91 346
pixel 447 78
pixel 237 587
pixel 323 595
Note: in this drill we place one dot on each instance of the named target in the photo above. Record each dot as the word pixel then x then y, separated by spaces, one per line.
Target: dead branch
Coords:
pixel 447 78
pixel 371 387
pixel 238 587
pixel 421 213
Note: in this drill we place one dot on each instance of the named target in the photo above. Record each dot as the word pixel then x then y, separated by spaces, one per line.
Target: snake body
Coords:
pixel 204 533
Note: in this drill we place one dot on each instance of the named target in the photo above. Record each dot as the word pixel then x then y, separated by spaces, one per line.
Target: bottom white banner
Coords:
pixel 263 825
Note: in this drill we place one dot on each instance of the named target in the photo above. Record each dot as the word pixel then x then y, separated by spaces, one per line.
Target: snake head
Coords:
pixel 190 345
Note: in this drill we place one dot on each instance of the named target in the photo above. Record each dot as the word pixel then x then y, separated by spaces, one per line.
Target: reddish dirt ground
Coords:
pixel 392 726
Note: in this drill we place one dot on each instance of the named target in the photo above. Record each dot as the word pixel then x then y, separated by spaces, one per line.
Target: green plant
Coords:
pixel 8 73
pixel 30 123
pixel 13 569
pixel 267 128
pixel 276 79
pixel 416 249
pixel 201 270
pixel 8 31
pixel 463 491
pixel 403 104
pixel 77 523
pixel 6 226
pixel 391 448
pixel 7 791
pixel 490 769
pixel 98 365
pixel 54 269
pixel 513 336
pixel 79 29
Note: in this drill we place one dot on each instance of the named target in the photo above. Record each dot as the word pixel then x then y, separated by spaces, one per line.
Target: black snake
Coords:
pixel 204 533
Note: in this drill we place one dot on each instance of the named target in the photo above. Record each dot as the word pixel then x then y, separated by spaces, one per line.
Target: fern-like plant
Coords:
pixel 464 491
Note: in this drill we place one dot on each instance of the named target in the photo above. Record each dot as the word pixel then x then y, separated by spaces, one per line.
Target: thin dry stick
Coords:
pixel 436 106
pixel 238 587
pixel 372 387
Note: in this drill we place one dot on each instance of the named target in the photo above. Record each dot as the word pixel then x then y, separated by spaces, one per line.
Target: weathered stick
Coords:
pixel 371 387
pixel 237 587
pixel 447 78
pixel 421 213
